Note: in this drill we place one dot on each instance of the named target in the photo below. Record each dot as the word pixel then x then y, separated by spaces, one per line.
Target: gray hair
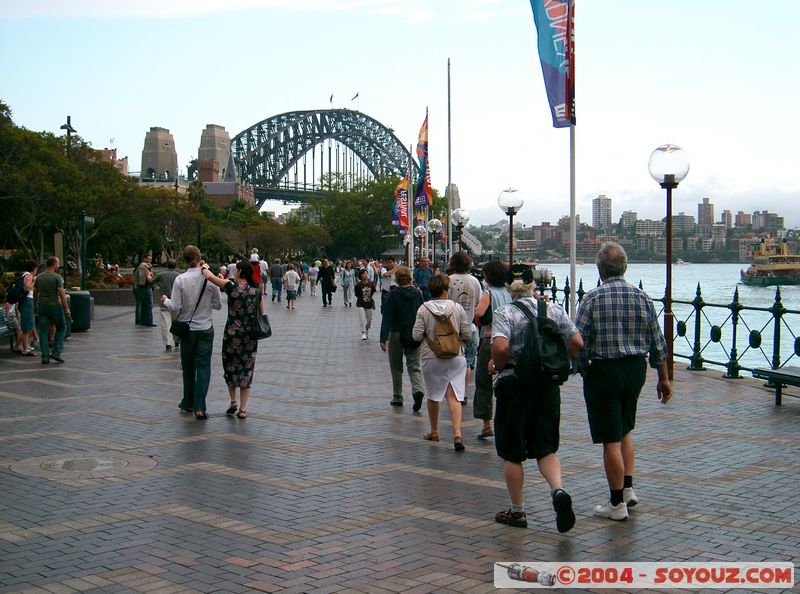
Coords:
pixel 519 289
pixel 611 260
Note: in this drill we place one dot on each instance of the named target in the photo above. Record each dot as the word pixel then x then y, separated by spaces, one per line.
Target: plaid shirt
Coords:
pixel 618 320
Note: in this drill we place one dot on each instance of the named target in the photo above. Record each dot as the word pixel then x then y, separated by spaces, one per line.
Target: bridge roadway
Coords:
pixel 106 487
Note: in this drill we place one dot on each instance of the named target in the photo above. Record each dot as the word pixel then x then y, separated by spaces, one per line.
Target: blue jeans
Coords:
pixel 144 305
pixel 196 350
pixel 277 288
pixel 51 314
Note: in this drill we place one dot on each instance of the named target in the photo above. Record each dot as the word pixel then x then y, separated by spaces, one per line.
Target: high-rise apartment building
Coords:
pixel 705 213
pixel 601 213
pixel 726 219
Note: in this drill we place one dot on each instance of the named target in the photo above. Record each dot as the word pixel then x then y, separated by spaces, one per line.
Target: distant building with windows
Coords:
pixel 649 228
pixel 726 219
pixel 601 213
pixel 705 213
pixel 743 219
pixel 628 219
pixel 683 223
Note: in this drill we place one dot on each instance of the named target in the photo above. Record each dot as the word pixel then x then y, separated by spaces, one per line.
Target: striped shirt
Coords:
pixel 619 320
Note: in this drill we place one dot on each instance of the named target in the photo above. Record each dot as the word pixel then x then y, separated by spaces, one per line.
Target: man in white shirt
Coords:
pixel 191 306
pixel 386 280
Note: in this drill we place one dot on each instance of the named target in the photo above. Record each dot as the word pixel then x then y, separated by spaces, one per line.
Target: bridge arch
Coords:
pixel 269 155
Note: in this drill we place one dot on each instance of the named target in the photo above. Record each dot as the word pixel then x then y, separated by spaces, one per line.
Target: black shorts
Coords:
pixel 526 422
pixel 611 390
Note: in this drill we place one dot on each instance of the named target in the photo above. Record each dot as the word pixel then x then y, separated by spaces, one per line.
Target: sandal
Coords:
pixel 242 414
pixel 232 409
pixel 458 444
pixel 200 415
pixel 432 436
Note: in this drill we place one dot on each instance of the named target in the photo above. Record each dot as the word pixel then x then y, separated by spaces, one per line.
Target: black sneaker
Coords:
pixel 518 519
pixel 397 402
pixel 565 517
pixel 418 396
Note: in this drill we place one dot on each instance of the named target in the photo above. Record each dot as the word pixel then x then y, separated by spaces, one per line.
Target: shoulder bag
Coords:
pixel 261 327
pixel 181 329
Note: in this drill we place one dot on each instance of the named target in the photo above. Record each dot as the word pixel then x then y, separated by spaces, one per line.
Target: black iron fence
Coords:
pixel 731 335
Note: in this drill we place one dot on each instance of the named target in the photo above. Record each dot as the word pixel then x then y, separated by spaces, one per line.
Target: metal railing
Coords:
pixel 731 335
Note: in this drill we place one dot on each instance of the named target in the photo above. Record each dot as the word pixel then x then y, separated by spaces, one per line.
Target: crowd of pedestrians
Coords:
pixel 434 327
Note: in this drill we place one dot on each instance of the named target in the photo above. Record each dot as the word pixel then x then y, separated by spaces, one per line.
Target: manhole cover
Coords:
pixel 83 466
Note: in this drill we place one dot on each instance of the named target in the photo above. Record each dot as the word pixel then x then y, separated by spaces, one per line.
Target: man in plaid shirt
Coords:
pixel 620 331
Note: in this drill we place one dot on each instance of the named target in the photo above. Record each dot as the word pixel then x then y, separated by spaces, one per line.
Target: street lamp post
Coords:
pixel 419 233
pixel 510 204
pixel 84 220
pixel 668 165
pixel 70 130
pixel 460 217
pixel 434 228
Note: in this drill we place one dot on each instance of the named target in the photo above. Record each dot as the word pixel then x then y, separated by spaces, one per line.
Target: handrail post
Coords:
pixel 777 310
pixel 696 361
pixel 554 291
pixel 566 296
pixel 733 364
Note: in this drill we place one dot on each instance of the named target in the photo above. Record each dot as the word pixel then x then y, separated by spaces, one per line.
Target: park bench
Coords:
pixel 5 331
pixel 785 376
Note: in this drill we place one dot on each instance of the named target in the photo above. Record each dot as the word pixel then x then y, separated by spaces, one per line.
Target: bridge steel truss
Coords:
pixel 265 153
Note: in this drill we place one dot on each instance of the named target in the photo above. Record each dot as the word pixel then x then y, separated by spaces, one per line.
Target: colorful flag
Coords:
pixel 424 193
pixel 395 215
pixel 401 200
pixel 555 21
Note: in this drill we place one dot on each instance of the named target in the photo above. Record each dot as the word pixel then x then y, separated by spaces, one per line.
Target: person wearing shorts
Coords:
pixel 526 422
pixel 619 326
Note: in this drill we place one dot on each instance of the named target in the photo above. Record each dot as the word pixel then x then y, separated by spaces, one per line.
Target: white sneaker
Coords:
pixel 617 512
pixel 629 497
pixel 363 336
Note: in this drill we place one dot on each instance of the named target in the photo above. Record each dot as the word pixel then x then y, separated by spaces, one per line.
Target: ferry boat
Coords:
pixel 772 264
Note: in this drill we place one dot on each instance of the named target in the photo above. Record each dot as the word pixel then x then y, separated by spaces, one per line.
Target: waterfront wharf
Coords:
pixel 106 487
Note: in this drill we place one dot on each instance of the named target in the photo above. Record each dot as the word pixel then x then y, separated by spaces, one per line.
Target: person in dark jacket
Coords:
pixel 399 314
pixel 326 279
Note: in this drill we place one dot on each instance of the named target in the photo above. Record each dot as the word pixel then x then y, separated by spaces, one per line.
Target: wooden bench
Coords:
pixel 789 376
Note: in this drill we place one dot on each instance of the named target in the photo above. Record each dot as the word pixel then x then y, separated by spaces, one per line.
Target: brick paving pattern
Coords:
pixel 328 488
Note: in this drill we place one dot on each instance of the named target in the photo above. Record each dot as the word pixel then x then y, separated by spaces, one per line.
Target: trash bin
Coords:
pixel 82 308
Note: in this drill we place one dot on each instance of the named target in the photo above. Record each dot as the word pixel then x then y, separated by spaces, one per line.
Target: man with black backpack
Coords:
pixel 528 410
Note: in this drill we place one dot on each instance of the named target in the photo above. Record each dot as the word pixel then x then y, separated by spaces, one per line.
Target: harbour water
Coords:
pixel 718 282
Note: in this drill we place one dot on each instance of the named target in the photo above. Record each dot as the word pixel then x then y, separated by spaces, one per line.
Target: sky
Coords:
pixel 717 78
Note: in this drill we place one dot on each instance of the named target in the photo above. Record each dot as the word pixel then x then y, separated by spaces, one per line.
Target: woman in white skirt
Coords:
pixel 444 378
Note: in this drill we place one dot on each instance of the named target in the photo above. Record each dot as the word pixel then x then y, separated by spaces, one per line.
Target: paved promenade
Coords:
pixel 106 487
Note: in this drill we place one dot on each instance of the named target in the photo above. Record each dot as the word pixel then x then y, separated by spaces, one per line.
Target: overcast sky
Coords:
pixel 717 78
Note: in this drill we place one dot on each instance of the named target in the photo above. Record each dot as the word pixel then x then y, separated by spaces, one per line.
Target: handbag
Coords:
pixel 261 326
pixel 181 328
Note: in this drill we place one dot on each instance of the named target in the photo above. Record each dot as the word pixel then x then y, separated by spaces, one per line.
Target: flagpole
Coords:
pixel 572 222
pixel 410 214
pixel 449 177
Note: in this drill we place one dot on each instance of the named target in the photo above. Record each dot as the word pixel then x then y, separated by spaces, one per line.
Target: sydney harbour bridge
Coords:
pixel 290 156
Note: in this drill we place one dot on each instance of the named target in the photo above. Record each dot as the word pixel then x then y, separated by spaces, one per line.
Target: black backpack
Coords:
pixel 544 355
pixel 16 292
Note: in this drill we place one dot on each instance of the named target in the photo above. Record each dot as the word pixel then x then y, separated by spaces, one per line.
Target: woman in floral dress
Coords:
pixel 238 346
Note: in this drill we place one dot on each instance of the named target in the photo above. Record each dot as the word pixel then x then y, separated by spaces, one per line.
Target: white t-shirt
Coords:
pixel 292 280
pixel 387 282
pixel 466 291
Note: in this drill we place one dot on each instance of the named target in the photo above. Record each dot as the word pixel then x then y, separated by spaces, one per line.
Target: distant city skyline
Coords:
pixel 693 74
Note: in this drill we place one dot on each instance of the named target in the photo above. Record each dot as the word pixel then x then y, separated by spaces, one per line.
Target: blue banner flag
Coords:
pixel 554 21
